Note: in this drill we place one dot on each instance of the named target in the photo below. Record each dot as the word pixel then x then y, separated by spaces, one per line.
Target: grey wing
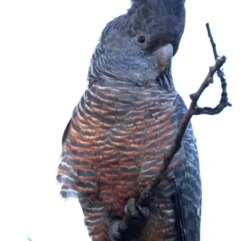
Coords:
pixel 188 195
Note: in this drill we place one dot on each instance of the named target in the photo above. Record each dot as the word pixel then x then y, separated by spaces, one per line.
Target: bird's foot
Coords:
pixel 135 217
pixel 136 213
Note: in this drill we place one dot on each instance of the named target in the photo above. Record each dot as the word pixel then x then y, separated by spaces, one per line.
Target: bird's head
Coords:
pixel 140 44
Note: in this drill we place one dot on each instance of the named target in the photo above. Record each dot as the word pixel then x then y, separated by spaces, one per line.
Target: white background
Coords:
pixel 45 50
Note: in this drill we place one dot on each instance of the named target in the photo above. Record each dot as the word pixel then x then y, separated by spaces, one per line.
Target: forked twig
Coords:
pixel 194 109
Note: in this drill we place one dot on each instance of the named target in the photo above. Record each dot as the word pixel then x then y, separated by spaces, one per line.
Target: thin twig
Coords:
pixel 212 41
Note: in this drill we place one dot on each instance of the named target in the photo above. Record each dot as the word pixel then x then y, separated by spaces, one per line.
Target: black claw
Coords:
pixel 144 211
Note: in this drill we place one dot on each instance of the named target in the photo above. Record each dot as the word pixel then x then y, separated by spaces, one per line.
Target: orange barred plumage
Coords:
pixel 114 146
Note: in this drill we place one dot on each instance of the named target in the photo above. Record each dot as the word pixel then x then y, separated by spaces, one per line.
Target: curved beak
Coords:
pixel 164 55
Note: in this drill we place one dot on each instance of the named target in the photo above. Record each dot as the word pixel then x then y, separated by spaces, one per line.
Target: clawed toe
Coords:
pixel 135 217
pixel 131 209
pixel 135 211
pixel 144 211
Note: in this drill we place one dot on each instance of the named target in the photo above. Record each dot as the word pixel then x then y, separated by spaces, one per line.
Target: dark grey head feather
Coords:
pixel 162 20
pixel 128 43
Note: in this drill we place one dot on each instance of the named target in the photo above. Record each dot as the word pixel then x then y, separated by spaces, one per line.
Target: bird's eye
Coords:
pixel 141 39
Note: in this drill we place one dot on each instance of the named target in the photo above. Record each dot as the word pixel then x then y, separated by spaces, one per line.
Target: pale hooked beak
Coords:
pixel 164 55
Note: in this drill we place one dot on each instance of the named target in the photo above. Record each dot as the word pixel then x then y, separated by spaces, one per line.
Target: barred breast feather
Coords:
pixel 114 145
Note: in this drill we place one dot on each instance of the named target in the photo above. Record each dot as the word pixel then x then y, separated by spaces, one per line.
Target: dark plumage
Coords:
pixel 123 125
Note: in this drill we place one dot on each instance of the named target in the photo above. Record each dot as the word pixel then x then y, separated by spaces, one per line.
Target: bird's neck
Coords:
pixel 164 82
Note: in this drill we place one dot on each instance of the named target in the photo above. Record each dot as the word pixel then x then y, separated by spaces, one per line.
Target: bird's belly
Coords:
pixel 129 159
pixel 118 145
pixel 128 132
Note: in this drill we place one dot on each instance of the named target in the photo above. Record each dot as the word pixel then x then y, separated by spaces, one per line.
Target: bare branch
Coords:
pixel 193 110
